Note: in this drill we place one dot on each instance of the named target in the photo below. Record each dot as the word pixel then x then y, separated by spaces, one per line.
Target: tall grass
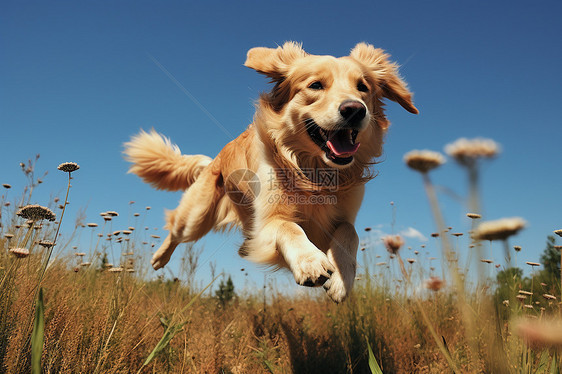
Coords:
pixel 95 317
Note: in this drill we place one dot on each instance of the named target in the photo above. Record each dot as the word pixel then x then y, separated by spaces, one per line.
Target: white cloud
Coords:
pixel 412 233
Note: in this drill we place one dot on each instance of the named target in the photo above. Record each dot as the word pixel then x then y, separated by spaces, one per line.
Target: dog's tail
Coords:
pixel 159 162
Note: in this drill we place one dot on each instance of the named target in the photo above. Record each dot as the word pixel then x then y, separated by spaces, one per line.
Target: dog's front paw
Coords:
pixel 312 269
pixel 336 288
pixel 339 285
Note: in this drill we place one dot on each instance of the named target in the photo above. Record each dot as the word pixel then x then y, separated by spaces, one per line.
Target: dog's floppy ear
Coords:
pixel 386 72
pixel 274 62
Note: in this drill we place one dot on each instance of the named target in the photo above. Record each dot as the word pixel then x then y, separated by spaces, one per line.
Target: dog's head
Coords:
pixel 329 108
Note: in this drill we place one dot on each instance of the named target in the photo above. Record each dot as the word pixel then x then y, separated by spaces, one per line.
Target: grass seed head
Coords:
pixel 473 215
pixel 393 243
pixel 68 167
pixel 423 161
pixel 500 229
pixel 467 151
pixel 544 332
pixel 36 212
pixel 7 186
pixel 558 232
pixel 517 248
pixel 46 244
pixel 19 252
pixel 434 284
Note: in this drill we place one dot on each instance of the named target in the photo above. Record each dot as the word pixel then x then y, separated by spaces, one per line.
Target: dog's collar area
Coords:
pixel 339 145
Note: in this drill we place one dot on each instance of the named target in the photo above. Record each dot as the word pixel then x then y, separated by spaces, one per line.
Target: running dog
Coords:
pixel 294 180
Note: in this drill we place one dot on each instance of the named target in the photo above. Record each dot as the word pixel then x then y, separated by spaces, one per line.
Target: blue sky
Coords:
pixel 77 79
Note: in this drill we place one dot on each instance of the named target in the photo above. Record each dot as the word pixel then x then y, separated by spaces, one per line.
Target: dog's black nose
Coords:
pixel 352 111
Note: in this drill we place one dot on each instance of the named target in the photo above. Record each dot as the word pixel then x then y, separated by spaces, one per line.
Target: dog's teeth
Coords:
pixel 323 134
pixel 351 138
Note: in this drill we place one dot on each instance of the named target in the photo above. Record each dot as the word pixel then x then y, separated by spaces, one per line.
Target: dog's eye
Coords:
pixel 316 86
pixel 362 87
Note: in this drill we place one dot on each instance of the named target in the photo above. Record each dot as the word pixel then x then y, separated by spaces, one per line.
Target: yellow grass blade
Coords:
pixel 373 364
pixel 37 336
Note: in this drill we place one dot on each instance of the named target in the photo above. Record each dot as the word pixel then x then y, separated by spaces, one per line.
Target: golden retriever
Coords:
pixel 293 181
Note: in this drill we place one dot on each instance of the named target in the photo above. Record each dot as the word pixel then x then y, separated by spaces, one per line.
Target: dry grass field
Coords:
pixel 63 311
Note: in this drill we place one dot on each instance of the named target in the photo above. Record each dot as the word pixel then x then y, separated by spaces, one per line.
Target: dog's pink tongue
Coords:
pixel 342 148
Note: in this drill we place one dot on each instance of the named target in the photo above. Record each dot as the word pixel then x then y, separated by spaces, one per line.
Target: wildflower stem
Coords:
pixel 473 182
pixel 507 254
pixel 27 234
pixel 446 250
pixel 56 233
pixel 438 217
pixel 403 268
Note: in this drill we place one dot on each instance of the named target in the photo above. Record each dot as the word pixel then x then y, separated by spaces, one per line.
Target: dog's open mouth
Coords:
pixel 339 145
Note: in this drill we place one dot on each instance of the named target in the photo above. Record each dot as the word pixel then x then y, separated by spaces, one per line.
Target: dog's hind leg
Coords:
pixel 194 217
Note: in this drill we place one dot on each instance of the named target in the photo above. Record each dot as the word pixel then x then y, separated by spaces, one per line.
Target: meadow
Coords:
pixel 64 309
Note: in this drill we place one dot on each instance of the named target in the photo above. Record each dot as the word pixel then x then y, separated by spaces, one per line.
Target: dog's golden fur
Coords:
pixel 317 242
